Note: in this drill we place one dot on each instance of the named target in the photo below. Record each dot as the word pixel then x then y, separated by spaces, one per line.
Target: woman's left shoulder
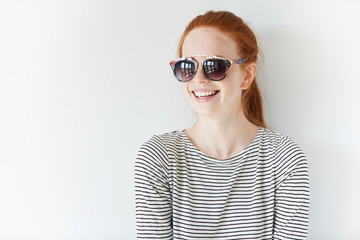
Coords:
pixel 288 155
pixel 279 140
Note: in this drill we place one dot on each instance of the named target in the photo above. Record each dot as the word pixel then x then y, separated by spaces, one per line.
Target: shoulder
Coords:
pixel 155 149
pixel 281 143
pixel 271 137
pixel 287 149
pixel 288 156
pixel 159 142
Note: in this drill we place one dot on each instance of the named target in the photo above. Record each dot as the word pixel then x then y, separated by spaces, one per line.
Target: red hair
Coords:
pixel 245 39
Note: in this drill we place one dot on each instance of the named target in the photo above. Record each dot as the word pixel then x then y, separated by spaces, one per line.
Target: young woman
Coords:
pixel 227 176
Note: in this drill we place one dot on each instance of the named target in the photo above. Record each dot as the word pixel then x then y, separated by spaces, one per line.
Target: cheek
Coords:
pixel 234 83
pixel 235 78
pixel 185 87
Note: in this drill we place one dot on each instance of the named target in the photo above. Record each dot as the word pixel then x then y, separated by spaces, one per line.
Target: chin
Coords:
pixel 205 112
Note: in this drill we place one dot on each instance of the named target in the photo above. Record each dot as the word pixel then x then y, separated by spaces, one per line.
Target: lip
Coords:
pixel 207 99
pixel 203 90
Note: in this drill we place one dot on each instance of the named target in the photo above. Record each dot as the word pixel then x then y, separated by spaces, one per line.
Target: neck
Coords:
pixel 222 138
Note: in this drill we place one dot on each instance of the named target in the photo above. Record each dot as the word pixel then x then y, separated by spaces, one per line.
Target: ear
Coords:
pixel 249 76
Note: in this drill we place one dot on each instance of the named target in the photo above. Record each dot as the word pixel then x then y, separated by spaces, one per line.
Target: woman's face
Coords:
pixel 226 102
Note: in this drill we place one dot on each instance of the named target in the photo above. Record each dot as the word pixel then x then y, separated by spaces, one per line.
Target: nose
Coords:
pixel 199 76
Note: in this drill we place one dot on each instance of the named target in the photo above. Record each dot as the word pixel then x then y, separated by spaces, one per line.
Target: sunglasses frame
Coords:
pixel 190 58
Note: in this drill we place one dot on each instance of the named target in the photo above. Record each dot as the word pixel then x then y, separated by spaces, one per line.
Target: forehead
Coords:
pixel 208 41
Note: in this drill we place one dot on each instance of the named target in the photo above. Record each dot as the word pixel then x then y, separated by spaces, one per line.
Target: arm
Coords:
pixel 291 217
pixel 152 192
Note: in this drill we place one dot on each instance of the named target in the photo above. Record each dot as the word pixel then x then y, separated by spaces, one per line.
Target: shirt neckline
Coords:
pixel 227 160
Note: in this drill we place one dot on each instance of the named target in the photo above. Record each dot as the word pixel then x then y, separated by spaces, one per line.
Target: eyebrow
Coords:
pixel 210 55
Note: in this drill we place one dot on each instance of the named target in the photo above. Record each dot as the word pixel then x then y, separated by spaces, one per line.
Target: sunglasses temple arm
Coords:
pixel 239 61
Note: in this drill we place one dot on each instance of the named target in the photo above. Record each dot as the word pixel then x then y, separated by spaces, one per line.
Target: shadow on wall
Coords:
pixel 296 84
pixel 333 206
pixel 292 78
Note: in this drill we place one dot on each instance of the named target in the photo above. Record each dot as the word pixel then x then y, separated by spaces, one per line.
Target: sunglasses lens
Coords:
pixel 184 70
pixel 215 69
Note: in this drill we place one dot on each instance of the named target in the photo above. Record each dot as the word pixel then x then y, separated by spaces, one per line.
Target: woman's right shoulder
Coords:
pixel 158 145
pixel 164 139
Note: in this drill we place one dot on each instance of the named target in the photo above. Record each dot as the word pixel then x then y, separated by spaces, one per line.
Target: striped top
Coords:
pixel 260 193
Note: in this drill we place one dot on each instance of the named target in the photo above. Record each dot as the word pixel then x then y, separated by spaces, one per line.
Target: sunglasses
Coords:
pixel 214 68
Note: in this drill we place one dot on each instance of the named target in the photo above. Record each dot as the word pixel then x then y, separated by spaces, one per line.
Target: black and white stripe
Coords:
pixel 261 193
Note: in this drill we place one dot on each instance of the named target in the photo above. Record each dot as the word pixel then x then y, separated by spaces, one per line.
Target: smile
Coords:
pixel 205 94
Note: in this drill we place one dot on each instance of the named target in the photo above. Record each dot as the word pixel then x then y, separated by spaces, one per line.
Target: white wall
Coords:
pixel 84 83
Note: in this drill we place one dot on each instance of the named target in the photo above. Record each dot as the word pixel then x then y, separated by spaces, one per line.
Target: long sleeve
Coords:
pixel 152 191
pixel 292 194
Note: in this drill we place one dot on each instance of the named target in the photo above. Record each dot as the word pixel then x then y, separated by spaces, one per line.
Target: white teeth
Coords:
pixel 204 94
